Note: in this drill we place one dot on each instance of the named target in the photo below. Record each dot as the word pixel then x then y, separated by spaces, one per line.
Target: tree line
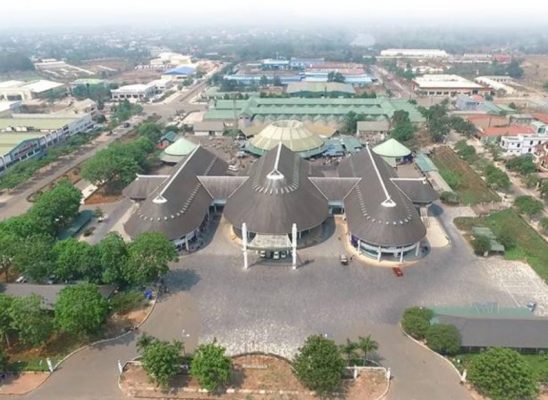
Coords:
pixel 28 244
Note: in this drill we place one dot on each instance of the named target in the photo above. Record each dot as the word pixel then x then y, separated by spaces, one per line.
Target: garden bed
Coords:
pixel 470 188
pixel 253 376
pixel 530 246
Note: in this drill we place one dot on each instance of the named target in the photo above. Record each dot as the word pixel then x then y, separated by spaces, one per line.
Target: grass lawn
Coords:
pixel 530 246
pixel 470 188
pixel 538 362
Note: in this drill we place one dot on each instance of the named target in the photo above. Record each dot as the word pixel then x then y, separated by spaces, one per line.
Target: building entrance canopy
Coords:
pixel 270 242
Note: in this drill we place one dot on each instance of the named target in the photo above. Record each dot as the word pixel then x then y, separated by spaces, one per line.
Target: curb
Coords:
pixel 432 351
pixel 243 391
pixel 93 344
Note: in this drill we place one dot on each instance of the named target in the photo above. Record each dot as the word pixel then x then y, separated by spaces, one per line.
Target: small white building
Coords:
pixel 522 144
pixel 414 53
pixel 446 85
pixel 134 93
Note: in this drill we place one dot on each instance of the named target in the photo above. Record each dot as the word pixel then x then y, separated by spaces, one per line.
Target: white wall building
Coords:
pixel 19 90
pixel 497 83
pixel 134 93
pixel 414 53
pixel 522 144
pixel 446 85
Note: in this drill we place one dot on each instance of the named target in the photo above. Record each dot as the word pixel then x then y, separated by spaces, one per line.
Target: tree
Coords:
pixel 112 255
pixel 416 321
pixel 29 320
pixel 34 258
pixel 350 350
pixel 319 365
pixel 367 345
pixel 514 69
pixel 443 339
pixel 210 366
pixel 403 131
pixel 523 164
pixel 449 198
pixel 107 166
pixel 14 61
pixel 481 245
pixel 80 309
pixel 3 360
pixel 506 237
pixel 333 76
pixel 162 360
pixel 57 207
pixel 149 255
pixel 528 205
pixel 263 81
pixel 9 243
pixel 496 178
pixel 151 130
pixel 5 317
pixel 75 260
pixel 502 374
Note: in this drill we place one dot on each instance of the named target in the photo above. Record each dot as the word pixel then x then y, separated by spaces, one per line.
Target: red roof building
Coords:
pixel 541 117
pixel 513 130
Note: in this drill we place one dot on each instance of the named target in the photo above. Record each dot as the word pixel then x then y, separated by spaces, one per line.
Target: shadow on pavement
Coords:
pixel 182 279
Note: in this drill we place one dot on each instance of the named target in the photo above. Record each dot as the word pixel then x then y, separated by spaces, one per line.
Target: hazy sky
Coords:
pixel 28 13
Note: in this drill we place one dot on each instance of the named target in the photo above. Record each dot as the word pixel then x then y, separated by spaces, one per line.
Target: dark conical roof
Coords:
pixel 180 203
pixel 277 194
pixel 377 211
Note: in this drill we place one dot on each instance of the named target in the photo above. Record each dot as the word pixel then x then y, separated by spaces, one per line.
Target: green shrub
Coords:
pixel 544 224
pixel 443 339
pixel 481 245
pixel 416 321
pixel 449 198
pixel 503 374
pixel 528 205
pixel 507 239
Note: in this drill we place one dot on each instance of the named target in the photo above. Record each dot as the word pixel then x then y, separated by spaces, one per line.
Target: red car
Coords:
pixel 397 271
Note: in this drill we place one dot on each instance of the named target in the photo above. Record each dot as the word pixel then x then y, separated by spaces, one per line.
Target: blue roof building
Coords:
pixel 181 70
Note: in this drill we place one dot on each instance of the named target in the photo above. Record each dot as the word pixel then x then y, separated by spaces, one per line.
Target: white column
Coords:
pixel 379 254
pixel 417 249
pixel 359 246
pixel 186 243
pixel 294 245
pixel 244 244
pixel 401 255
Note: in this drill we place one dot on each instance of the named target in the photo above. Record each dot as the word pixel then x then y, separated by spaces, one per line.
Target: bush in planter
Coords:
pixel 449 198
pixel 481 245
pixel 416 321
pixel 443 339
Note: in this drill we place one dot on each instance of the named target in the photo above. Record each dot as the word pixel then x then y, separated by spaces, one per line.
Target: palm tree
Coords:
pixel 349 349
pixel 366 345
pixel 143 342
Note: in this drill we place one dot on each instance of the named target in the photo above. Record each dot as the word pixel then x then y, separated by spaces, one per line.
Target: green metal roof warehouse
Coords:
pixel 309 108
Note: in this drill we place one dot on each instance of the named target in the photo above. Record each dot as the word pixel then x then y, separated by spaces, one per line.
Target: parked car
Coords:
pixel 343 259
pixel 276 255
pixel 397 271
pixel 532 306
pixel 21 279
pixel 262 254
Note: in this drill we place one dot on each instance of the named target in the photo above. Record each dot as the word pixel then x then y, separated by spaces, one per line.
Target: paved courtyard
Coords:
pixel 273 308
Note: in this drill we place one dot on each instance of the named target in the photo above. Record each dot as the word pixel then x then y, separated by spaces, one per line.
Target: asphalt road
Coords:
pixel 15 202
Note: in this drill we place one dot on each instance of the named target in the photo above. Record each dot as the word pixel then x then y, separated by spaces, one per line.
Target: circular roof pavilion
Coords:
pixel 178 150
pixel 292 134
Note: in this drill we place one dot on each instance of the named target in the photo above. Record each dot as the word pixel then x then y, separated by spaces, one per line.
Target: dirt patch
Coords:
pixel 100 197
pixel 253 377
pixel 73 176
pixel 19 384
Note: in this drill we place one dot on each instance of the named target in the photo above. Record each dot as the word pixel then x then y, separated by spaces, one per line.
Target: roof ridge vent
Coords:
pixel 275 174
pixel 159 199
